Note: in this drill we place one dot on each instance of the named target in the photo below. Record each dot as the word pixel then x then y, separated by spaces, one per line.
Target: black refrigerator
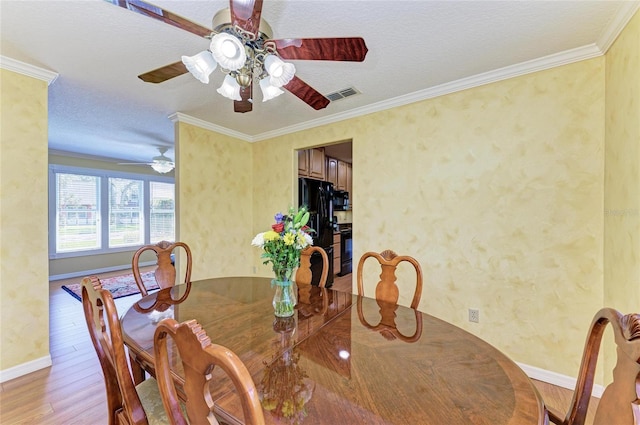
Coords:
pixel 317 196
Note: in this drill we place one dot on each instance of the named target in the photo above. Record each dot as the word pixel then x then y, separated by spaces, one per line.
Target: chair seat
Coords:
pixel 151 400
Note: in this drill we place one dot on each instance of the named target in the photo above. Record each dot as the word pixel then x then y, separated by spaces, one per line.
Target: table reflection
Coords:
pixel 386 326
pixel 285 388
pixel 312 300
pixel 162 301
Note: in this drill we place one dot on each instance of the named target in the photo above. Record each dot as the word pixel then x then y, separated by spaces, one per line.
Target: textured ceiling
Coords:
pixel 417 49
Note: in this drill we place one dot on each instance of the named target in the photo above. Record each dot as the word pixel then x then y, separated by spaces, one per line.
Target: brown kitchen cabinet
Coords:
pixel 344 179
pixel 303 163
pixel 332 171
pixel 348 183
pixel 342 175
pixel 311 163
pixel 339 173
pixel 337 264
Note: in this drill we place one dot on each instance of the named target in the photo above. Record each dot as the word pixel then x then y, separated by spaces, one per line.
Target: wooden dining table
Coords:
pixel 341 359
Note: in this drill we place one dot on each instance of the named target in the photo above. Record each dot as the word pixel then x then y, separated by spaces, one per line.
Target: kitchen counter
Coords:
pixel 344 226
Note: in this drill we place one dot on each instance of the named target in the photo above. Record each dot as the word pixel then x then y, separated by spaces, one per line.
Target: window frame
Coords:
pixel 103 202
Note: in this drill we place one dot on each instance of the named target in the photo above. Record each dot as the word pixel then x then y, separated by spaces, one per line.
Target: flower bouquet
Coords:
pixel 282 245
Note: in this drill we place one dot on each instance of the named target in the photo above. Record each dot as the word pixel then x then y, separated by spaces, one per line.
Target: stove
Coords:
pixel 345 251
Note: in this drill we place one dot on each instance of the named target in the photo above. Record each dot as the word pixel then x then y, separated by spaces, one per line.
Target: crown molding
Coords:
pixel 28 69
pixel 181 117
pixel 620 20
pixel 528 67
pixel 546 62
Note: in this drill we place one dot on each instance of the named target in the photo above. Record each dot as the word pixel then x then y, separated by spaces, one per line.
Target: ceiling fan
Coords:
pixel 241 44
pixel 161 163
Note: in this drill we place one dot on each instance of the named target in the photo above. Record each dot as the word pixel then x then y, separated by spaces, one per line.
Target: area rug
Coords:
pixel 119 286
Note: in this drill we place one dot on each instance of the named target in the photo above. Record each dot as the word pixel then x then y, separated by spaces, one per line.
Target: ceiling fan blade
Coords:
pixel 328 49
pixel 246 14
pixel 307 93
pixel 165 73
pixel 134 163
pixel 246 104
pixel 162 15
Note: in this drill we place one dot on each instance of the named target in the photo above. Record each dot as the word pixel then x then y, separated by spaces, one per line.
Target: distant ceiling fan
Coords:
pixel 241 45
pixel 161 163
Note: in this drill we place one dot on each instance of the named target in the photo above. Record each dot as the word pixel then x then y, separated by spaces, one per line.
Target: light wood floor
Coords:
pixel 71 391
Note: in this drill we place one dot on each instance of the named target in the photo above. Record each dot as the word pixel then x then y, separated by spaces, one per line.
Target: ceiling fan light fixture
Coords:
pixel 162 167
pixel 161 163
pixel 228 51
pixel 230 88
pixel 280 73
pixel 268 91
pixel 200 65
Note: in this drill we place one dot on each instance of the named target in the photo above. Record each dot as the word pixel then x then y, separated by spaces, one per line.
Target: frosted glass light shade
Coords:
pixel 268 91
pixel 162 166
pixel 200 65
pixel 280 73
pixel 228 51
pixel 230 88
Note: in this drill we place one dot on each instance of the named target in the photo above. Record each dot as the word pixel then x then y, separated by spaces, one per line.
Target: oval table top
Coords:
pixel 343 358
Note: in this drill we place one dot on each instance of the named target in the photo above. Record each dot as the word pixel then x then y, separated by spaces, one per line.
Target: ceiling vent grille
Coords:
pixel 341 94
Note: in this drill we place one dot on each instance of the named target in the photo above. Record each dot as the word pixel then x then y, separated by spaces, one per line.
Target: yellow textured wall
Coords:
pixel 214 201
pixel 622 174
pixel 497 191
pixel 24 283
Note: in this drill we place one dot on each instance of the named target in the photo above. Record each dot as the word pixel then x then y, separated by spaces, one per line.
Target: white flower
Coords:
pixel 308 238
pixel 258 240
pixel 303 240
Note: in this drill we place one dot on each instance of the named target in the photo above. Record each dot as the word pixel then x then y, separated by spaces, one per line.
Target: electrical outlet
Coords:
pixel 474 315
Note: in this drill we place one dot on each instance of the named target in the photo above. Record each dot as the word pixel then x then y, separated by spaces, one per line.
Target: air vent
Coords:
pixel 341 94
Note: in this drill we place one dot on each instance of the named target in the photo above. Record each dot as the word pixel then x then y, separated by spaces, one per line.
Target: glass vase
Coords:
pixel 284 298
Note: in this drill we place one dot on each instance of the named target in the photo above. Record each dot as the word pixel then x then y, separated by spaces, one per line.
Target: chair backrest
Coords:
pixel 303 274
pixel 104 328
pixel 199 356
pixel 165 273
pixel 386 289
pixel 619 404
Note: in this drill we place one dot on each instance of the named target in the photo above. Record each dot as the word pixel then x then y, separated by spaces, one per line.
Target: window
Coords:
pixel 126 213
pixel 96 211
pixel 77 212
pixel 162 214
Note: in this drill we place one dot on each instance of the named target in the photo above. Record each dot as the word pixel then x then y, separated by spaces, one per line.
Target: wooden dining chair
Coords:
pixel 304 274
pixel 199 357
pixel 386 289
pixel 619 404
pixel 165 272
pixel 126 402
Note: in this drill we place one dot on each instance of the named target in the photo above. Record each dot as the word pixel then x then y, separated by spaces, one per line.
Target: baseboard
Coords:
pixel 557 379
pixel 24 368
pixel 97 271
